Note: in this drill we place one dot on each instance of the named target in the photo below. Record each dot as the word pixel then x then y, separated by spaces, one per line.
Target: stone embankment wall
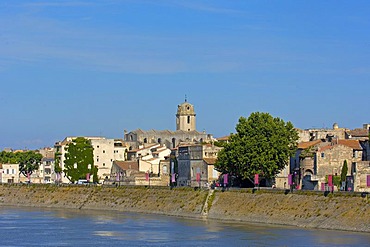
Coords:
pixel 341 212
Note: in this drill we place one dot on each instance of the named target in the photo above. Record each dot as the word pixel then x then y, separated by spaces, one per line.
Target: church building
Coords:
pixel 185 131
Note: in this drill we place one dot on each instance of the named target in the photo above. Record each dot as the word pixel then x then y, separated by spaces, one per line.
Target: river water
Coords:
pixel 49 227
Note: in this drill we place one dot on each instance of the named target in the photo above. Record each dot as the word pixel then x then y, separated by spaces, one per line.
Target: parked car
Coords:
pixel 82 181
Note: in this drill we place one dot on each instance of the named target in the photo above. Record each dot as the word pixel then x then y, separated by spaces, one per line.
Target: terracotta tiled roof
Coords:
pixel 304 145
pixel 325 148
pixel 210 161
pixel 354 144
pixel 224 138
pixel 359 132
pixel 127 165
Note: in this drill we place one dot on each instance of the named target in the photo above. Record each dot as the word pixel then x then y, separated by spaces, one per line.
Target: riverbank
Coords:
pixel 340 212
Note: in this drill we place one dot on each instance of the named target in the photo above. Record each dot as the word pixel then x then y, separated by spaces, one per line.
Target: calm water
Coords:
pixel 43 227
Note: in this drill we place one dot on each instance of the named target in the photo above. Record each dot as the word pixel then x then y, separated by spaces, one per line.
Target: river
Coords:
pixel 50 227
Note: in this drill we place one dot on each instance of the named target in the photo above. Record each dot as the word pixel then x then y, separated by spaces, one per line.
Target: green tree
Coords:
pixel 343 174
pixel 9 158
pixel 29 162
pixel 262 145
pixel 336 180
pixel 57 167
pixel 79 160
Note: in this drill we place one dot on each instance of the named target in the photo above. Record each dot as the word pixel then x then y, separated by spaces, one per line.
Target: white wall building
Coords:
pixel 104 151
pixel 9 173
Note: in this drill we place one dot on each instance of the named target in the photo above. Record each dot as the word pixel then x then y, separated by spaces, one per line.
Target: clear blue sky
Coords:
pixel 98 67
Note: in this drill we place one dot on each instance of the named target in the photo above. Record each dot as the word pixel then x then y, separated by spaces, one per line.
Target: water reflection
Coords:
pixel 44 227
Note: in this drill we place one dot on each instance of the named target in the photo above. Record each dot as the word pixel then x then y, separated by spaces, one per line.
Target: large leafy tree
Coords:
pixel 9 157
pixel 28 161
pixel 261 145
pixel 79 160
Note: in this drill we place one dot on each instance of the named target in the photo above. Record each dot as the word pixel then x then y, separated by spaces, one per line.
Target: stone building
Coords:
pixel 185 131
pixel 314 160
pixel 196 164
pixel 123 169
pixel 361 176
pixel 191 168
pixel 322 152
pixel 321 134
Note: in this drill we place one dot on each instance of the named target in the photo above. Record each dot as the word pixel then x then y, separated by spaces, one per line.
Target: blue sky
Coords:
pixel 99 67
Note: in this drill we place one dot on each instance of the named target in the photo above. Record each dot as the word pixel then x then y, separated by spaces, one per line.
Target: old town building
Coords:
pixel 185 131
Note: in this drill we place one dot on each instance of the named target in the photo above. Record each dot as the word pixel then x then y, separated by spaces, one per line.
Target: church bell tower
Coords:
pixel 185 117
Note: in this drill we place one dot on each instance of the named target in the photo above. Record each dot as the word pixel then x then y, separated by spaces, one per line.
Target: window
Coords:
pixel 173 142
pixel 214 173
pixel 103 151
pixel 322 155
pixel 103 164
pixel 188 119
pixel 97 146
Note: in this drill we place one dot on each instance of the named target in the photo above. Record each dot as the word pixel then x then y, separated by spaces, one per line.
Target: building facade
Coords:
pixel 196 165
pixel 185 131
pixel 10 173
pixel 104 152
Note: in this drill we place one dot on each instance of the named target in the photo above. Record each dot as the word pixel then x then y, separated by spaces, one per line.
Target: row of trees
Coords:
pixel 78 164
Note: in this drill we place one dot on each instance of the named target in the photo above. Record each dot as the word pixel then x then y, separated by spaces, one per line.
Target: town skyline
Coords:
pixel 97 68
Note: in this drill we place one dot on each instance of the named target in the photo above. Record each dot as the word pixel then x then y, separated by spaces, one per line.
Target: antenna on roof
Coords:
pixel 185 98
